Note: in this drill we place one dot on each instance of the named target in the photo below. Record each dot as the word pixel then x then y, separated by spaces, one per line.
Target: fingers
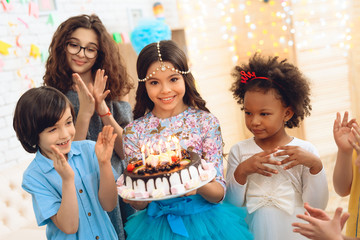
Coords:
pixel 307 218
pixel 309 208
pixel 356 129
pixel 267 172
pixel 59 157
pixel 356 132
pixel 107 135
pixel 345 119
pixel 352 122
pixel 268 152
pixel 316 212
pixel 78 81
pixel 100 77
pixel 337 122
pixel 287 150
pixel 106 93
pixel 303 229
pixel 338 212
pixel 343 219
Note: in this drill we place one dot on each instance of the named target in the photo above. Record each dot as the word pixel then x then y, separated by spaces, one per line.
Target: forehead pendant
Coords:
pixel 163 67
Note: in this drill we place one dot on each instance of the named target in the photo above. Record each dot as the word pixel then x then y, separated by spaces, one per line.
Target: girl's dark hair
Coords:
pixel 288 82
pixel 36 110
pixel 58 73
pixel 170 52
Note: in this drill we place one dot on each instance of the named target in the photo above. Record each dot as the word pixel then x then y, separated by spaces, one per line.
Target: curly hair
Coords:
pixel 170 52
pixel 291 86
pixel 58 73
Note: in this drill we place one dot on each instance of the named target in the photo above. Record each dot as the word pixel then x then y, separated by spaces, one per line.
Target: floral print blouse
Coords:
pixel 197 130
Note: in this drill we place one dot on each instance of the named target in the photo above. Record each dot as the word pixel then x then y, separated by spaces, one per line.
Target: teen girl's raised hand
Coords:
pixel 86 99
pixel 299 156
pixel 92 97
pixel 100 93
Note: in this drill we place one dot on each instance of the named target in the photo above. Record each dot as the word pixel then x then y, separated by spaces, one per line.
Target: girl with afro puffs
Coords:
pixel 273 174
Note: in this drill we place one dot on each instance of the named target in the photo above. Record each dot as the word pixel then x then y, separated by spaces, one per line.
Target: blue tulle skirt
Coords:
pixel 188 218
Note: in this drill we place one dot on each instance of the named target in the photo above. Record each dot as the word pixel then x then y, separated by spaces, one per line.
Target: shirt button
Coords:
pixel 97 237
pixel 89 214
pixel 80 191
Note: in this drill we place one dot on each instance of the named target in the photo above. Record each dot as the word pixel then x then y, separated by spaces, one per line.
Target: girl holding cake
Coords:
pixel 168 104
pixel 272 173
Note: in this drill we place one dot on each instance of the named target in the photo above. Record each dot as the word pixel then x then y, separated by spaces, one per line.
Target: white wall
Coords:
pixel 19 71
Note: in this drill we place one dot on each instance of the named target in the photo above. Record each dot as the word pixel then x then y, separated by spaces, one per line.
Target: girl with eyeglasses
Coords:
pixel 85 64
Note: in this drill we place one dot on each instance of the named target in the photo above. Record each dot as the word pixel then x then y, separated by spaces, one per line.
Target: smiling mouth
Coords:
pixel 63 143
pixel 79 62
pixel 167 99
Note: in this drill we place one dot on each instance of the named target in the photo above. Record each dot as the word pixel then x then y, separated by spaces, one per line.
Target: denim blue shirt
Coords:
pixel 44 184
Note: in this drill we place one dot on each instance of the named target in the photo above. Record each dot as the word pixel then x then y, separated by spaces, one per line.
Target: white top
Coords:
pixel 273 202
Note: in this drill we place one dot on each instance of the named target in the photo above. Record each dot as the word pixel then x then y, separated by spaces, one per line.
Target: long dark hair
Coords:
pixel 170 52
pixel 58 73
pixel 36 110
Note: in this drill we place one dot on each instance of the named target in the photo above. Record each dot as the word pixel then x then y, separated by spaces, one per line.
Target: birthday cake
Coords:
pixel 164 174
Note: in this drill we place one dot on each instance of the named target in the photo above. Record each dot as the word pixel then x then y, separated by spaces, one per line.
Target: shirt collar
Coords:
pixel 46 164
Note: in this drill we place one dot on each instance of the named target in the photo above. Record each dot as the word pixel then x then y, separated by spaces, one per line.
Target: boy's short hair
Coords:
pixel 36 110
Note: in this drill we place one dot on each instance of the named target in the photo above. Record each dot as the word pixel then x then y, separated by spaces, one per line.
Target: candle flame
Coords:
pixel 175 139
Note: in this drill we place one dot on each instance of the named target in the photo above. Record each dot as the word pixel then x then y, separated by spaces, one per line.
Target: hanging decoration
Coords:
pixel 4 48
pixel 34 51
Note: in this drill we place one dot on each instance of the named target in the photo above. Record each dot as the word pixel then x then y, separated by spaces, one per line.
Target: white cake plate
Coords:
pixel 202 183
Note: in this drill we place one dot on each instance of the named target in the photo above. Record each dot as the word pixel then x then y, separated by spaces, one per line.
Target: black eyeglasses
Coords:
pixel 74 48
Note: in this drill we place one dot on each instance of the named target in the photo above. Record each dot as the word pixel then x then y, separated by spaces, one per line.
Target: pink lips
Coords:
pixel 167 99
pixel 257 131
pixel 80 63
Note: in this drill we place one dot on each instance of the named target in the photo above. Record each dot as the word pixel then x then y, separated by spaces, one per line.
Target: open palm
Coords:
pixel 105 144
pixel 342 132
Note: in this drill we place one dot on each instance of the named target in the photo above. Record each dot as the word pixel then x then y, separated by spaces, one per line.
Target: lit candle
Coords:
pixel 179 149
pixel 160 143
pixel 177 146
pixel 168 144
pixel 143 154
pixel 148 148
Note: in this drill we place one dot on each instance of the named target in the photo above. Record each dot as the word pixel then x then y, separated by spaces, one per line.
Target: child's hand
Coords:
pixel 255 164
pixel 322 229
pixel 86 99
pixel 105 144
pixel 316 212
pixel 342 132
pixel 99 93
pixel 61 165
pixel 298 155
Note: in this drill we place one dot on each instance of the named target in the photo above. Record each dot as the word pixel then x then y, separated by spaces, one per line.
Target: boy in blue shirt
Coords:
pixel 72 183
